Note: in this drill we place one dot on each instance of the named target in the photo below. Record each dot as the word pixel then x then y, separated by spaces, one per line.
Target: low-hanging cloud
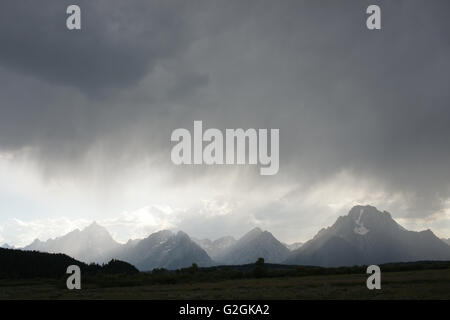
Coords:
pixel 118 45
pixel 346 99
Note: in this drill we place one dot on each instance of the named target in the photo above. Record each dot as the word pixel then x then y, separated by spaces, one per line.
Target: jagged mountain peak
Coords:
pixel 360 211
pixel 94 227
pixel 255 232
pixel 368 236
pixel 161 234
pixel 182 235
pixel 253 245
pixel 92 244
pixel 361 220
pixel 166 249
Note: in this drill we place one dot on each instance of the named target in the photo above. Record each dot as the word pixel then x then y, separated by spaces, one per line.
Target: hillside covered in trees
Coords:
pixel 33 264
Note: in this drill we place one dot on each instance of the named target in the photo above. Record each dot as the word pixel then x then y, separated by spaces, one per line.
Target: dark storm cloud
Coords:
pixel 60 89
pixel 118 44
pixel 344 97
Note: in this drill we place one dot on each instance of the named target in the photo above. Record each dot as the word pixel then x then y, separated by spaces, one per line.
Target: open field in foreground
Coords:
pixel 419 284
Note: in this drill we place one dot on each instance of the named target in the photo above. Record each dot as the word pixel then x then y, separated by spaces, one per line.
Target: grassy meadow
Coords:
pixel 413 284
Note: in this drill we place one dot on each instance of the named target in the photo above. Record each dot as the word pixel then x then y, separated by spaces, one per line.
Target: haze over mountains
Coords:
pixel 163 249
pixel 293 246
pixel 217 247
pixel 364 236
pixel 92 244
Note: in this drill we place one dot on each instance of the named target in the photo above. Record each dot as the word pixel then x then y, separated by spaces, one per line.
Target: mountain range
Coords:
pixel 364 236
pixel 94 244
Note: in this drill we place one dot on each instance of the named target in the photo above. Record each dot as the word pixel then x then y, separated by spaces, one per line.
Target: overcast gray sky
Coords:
pixel 86 116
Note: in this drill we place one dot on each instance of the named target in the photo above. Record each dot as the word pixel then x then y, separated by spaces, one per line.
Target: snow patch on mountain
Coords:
pixel 360 228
